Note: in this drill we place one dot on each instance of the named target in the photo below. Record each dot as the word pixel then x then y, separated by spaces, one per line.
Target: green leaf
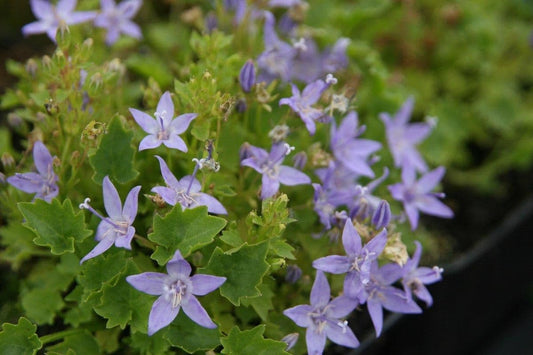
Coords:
pixel 19 339
pixel 80 312
pixel 122 304
pixel 200 130
pixel 251 342
pixel 150 66
pixel 243 268
pixel 282 248
pixel 17 241
pixel 79 344
pixel 56 225
pixel 42 304
pixel 102 270
pixel 187 230
pixel 114 156
pixel 261 304
pixel 152 345
pixel 232 238
pixel 108 339
pixel 189 336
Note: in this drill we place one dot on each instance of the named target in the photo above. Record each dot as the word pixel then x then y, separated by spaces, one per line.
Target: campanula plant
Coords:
pixel 260 214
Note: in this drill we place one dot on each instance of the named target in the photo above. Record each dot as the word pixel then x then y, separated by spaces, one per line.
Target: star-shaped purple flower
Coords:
pixel 301 103
pixel 322 318
pixel 356 264
pixel 117 228
pixel 350 151
pixel 402 137
pixel 51 17
pixel 416 195
pixel 176 290
pixel 414 277
pixel 186 191
pixel 274 174
pixel 42 184
pixel 117 19
pixel 164 129
pixel 380 294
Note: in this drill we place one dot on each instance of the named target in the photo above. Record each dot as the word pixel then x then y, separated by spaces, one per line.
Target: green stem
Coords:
pixel 145 242
pixel 59 335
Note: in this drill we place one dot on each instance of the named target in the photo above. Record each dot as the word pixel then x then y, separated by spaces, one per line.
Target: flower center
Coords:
pixel 163 134
pixel 176 291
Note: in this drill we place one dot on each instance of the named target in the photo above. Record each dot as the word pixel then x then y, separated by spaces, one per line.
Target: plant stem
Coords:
pixel 145 242
pixel 59 335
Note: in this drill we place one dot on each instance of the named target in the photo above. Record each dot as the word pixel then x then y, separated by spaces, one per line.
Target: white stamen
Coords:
pixel 330 79
pixel 288 148
pixel 343 325
pixel 85 204
pixel 438 269
pixel 300 44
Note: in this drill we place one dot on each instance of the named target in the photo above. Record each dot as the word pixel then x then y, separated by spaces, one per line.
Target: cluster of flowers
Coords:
pixel 116 19
pixel 339 200
pixel 177 289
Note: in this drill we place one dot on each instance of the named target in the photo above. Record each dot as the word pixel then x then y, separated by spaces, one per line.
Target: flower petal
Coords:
pixel 161 315
pixel 181 123
pixel 149 142
pixel 334 264
pixel 351 239
pixel 213 205
pixel 203 284
pixel 152 283
pixel 269 186
pixel 34 28
pixel 320 292
pixel 376 314
pixel 27 182
pixel 396 300
pixel 42 159
pixel 124 241
pixel 166 105
pixel 197 313
pixel 300 315
pixel 101 247
pixel 428 182
pixel 147 122
pixel 432 206
pixel 342 335
pixel 130 205
pixel 291 176
pixel 167 194
pixel 112 203
pixel 169 178
pixel 341 306
pixel 41 8
pixel 316 341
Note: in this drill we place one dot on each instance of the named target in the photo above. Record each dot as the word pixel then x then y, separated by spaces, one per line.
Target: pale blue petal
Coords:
pixel 334 264
pixel 300 315
pixel 161 315
pixel 204 284
pixel 197 313
pixel 320 292
pixel 152 283
pixel 100 248
pixel 112 203
pixel 315 341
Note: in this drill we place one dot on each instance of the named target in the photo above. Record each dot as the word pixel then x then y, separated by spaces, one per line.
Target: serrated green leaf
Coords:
pixel 282 248
pixel 81 311
pixel 9 100
pixel 55 224
pixel 108 339
pixel 122 304
pixel 79 344
pixel 189 336
pixel 114 156
pixel 232 238
pixel 150 345
pixel 200 130
pixel 42 304
pixel 19 339
pixel 103 270
pixel 261 304
pixel 251 342
pixel 243 268
pixel 18 243
pixel 187 230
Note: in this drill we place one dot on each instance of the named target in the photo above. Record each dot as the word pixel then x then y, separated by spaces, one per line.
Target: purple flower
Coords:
pixel 301 103
pixel 382 215
pixel 307 62
pixel 335 58
pixel 363 203
pixel 273 172
pixel 51 17
pixel 117 19
pixel 276 59
pixel 239 6
pixel 414 277
pixel 42 184
pixel 164 128
pixel 247 76
pixel 176 290
pixel 356 264
pixel 322 318
pixel 416 195
pixel 186 191
pixel 380 294
pixel 117 228
pixel 352 152
pixel 403 137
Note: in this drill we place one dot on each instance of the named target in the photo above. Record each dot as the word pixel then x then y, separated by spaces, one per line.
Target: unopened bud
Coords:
pixel 47 61
pixel 291 340
pixel 247 76
pixel 382 215
pixel 74 158
pixel 7 160
pixel 245 151
pixel 14 120
pixel 31 67
pixel 299 160
pixel 294 273
pixel 279 133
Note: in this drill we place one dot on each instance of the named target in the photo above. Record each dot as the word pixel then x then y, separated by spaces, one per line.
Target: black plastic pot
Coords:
pixel 483 294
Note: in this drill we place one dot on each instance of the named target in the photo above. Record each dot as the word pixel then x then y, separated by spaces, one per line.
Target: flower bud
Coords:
pixel 7 160
pixel 299 160
pixel 382 215
pixel 247 76
pixel 291 340
pixel 293 274
pixel 31 67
